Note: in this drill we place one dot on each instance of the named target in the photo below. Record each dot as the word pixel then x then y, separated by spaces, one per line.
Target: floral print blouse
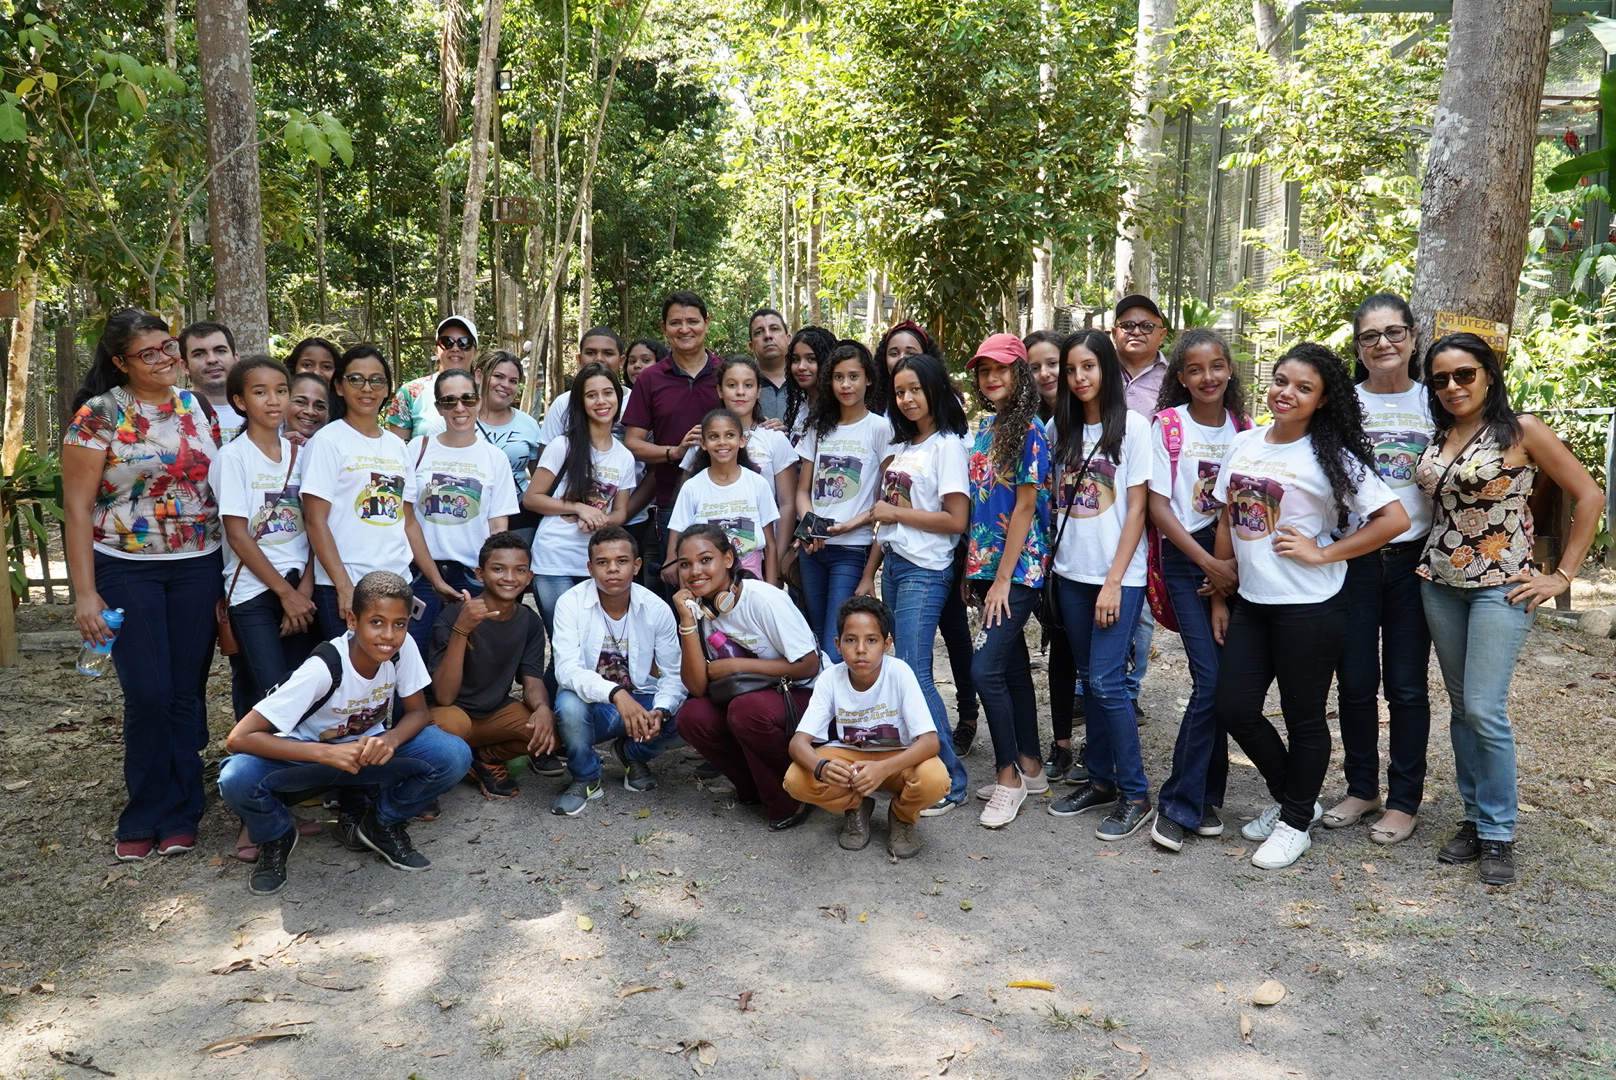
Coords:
pixel 1481 534
pixel 154 499
pixel 993 498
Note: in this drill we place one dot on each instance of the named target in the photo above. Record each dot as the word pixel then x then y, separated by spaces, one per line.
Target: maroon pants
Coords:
pixel 748 741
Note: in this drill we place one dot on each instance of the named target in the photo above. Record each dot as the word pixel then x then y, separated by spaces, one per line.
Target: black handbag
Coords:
pixel 1048 610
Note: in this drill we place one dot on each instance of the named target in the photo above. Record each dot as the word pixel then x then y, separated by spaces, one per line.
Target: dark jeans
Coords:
pixel 459 577
pixel 955 627
pixel 829 576
pixel 265 657
pixel 1300 645
pixel 1387 644
pixel 1002 671
pixel 1201 753
pixel 327 621
pixel 162 656
pixel 1114 761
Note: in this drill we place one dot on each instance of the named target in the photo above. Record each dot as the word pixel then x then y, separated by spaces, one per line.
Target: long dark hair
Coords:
pixel 1043 337
pixel 578 468
pixel 946 411
pixel 122 327
pixel 826 413
pixel 1174 393
pixel 706 530
pixel 704 460
pixel 1337 426
pixel 914 330
pixel 1502 422
pixel 1404 312
pixel 1113 402
pixel 1010 424
pixel 757 416
pixel 821 341
pixel 311 343
pixel 339 406
pixel 235 383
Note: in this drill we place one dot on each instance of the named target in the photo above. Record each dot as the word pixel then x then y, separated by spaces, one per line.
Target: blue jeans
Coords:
pixel 829 577
pixel 582 725
pixel 1201 753
pixel 1387 642
pixel 418 772
pixel 1139 654
pixel 955 626
pixel 1113 761
pixel 1002 671
pixel 458 577
pixel 917 596
pixel 547 590
pixel 265 657
pixel 162 656
pixel 327 622
pixel 1478 635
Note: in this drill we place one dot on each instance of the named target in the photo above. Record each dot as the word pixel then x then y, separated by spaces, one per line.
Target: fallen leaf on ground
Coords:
pixel 1031 984
pixel 11 991
pixel 1245 1028
pixel 977 858
pixel 1271 992
pixel 644 812
pixel 1105 854
pixel 630 991
pixel 1144 1058
pixel 592 887
pixel 42 988
pixel 12 965
pixel 437 1053
pixel 1126 1048
pixel 746 1001
pixel 965 905
pixel 920 914
pixel 324 982
pixel 278 1031
pixel 239 1048
pixel 246 963
pixel 585 923
pixel 833 911
pixel 1369 868
pixel 697 1052
pixel 17 785
pixel 1235 852
pixel 68 1057
pixel 1339 877
pixel 1221 990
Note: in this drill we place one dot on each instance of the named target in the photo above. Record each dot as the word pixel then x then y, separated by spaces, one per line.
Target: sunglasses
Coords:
pixel 359 382
pixel 1461 377
pixel 1132 328
pixel 464 344
pixel 468 400
pixel 168 350
pixel 1394 334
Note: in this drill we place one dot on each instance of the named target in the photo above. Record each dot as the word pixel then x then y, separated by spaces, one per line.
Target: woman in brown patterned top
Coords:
pixel 1480 586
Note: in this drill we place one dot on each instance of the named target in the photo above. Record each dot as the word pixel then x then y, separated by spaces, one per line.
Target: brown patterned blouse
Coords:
pixel 1481 533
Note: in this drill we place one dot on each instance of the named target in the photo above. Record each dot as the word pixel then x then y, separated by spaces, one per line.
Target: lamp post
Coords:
pixel 502 83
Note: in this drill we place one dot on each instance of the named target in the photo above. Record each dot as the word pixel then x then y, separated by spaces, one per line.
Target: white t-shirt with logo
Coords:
pixel 768 625
pixel 367 482
pixel 458 489
pixel 230 421
pixel 560 548
pixel 1097 502
pixel 1200 457
pixel 360 706
pixel 743 508
pixel 247 484
pixel 887 717
pixel 768 450
pixel 847 467
pixel 1269 485
pixel 1399 428
pixel 918 477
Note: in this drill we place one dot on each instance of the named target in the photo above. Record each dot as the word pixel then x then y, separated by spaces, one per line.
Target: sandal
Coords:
pixel 1334 819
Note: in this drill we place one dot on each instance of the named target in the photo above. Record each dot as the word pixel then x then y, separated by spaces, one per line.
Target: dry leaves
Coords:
pixel 833 911
pixel 325 982
pixel 745 1002
pixel 585 923
pixel 1235 853
pixel 237 1044
pixel 1031 984
pixel 246 963
pixel 1271 992
pixel 68 1057
pixel 1130 1048
pixel 952 1056
pixel 630 991
pixel 697 1052
pixel 1245 1028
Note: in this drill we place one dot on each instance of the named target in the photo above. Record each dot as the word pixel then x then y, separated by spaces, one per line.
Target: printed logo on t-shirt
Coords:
pixel 742 533
pixel 1206 478
pixel 1397 453
pixel 381 502
pixel 280 518
pixel 359 722
pixel 836 477
pixel 898 486
pixel 451 500
pixel 1092 493
pixel 872 728
pixel 600 494
pixel 612 664
pixel 1254 505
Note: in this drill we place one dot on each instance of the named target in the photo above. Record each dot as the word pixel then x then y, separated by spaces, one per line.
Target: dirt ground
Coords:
pixel 668 934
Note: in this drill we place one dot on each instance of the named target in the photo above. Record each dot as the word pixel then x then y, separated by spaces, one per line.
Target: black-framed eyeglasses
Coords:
pixel 1394 334
pixel 1138 328
pixel 359 382
pixel 464 344
pixel 468 400
pixel 1461 377
pixel 155 355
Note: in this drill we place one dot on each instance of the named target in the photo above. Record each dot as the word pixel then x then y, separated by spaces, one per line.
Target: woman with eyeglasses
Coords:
pixel 515 432
pixel 1479 582
pixel 143 535
pixel 359 494
pixel 466 495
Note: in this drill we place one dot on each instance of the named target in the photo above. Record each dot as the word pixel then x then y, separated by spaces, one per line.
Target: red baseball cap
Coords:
pixel 1001 349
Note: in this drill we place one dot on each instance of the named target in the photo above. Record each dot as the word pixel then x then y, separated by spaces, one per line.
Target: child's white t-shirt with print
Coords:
pixel 847 472
pixel 743 508
pixel 918 477
pixel 460 488
pixel 1200 457
pixel 367 482
pixel 768 625
pixel 360 706
pixel 1097 505
pixel 1270 485
pixel 560 548
pixel 888 716
pixel 248 485
pixel 1399 428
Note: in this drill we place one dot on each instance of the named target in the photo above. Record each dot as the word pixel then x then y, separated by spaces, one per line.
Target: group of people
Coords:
pixel 704 540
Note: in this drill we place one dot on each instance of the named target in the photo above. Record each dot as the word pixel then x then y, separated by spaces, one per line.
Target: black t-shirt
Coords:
pixel 496 655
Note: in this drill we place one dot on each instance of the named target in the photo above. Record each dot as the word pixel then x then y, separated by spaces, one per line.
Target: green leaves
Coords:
pixel 316 137
pixel 13 126
pixel 1584 167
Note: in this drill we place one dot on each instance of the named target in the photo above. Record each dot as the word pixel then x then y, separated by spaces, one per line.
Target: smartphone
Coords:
pixel 417 609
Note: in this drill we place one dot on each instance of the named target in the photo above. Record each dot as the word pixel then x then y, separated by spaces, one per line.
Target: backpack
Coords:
pixel 333 663
pixel 1161 605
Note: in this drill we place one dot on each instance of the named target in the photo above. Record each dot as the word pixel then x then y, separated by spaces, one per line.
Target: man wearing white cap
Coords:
pixel 412 410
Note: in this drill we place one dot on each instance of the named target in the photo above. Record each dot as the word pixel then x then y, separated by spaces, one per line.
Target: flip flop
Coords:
pixel 1333 820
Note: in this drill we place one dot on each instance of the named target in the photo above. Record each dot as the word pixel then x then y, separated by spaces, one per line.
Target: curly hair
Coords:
pixel 1337 426
pixel 821 341
pixel 1010 424
pixel 1174 393
pixel 826 413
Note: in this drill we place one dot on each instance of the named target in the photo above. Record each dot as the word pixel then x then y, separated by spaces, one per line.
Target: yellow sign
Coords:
pixel 1495 334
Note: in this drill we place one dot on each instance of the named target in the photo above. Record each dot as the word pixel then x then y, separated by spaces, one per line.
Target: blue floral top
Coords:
pixel 993 499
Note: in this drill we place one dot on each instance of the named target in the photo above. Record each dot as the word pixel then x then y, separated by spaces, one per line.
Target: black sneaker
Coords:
pixel 269 875
pixel 493 779
pixel 1465 847
pixel 1138 713
pixel 1125 819
pixel 1059 760
pixel 351 804
pixel 1497 862
pixel 1086 797
pixel 1168 833
pixel 964 735
pixel 637 775
pixel 391 842
pixel 1211 824
pixel 707 771
pixel 546 765
pixel 1080 710
pixel 1078 772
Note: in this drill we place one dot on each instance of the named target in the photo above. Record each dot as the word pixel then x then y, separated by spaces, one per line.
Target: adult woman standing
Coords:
pixel 499 377
pixel 1387 640
pixel 1480 586
pixel 143 535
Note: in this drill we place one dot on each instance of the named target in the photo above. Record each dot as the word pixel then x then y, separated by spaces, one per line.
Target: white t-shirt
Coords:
pixel 847 465
pixel 1098 504
pixel 1399 427
pixel 1271 485
pixel 887 717
pixel 247 484
pixel 555 417
pixel 1200 456
pixel 230 421
pixel 560 548
pixel 458 489
pixel 767 624
pixel 917 477
pixel 367 482
pixel 360 706
pixel 519 441
pixel 743 509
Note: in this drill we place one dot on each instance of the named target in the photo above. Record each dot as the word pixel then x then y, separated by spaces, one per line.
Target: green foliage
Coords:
pixel 28 503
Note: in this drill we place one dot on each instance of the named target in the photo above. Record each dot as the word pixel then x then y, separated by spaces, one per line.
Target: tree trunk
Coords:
pixel 482 117
pixel 1267 22
pixel 451 67
pixel 586 259
pixel 1043 254
pixel 171 18
pixel 1476 200
pixel 815 311
pixel 235 209
pixel 67 368
pixel 22 347
pixel 1135 262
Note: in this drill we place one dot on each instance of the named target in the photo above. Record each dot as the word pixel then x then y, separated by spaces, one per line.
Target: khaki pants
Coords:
pixel 500 736
pixel 912 790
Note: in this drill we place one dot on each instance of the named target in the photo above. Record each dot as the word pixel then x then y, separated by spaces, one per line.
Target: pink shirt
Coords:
pixel 1142 390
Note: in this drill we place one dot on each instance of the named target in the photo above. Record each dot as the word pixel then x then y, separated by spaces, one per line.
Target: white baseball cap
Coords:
pixel 463 321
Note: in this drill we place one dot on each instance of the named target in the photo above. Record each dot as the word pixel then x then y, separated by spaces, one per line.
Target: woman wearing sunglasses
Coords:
pixel 143 535
pixel 1480 583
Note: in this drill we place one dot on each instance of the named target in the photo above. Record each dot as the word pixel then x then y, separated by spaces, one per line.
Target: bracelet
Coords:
pixel 687 630
pixel 463 633
pixel 1561 571
pixel 667 454
pixel 820 768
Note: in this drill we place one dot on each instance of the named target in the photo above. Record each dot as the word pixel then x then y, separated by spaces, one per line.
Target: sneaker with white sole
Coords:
pixel 1284 846
pixel 1002 809
pixel 1036 784
pixel 1211 824
pixel 571 802
pixel 1262 826
pixel 940 807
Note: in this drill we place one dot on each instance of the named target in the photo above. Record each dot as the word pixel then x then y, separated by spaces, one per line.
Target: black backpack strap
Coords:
pixel 333 662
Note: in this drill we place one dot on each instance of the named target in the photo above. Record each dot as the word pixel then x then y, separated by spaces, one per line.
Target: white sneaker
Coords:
pixel 1284 846
pixel 939 808
pixel 1002 809
pixel 1261 827
pixel 1036 784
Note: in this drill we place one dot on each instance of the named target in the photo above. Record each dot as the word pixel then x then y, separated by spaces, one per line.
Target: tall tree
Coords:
pixel 482 120
pixel 1135 258
pixel 1475 205
pixel 451 66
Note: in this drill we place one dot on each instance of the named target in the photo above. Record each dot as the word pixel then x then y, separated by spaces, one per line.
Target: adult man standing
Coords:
pixel 767 334
pixel 209 350
pixel 412 411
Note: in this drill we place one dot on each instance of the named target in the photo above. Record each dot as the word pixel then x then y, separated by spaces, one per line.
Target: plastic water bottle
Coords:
pixel 94 660
pixel 723 648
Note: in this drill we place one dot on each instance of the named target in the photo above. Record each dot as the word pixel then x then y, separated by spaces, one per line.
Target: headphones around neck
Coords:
pixel 723 603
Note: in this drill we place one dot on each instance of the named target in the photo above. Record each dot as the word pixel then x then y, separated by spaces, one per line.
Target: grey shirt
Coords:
pixel 497 654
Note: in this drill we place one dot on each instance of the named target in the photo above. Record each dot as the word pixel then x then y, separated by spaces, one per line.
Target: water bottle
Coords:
pixel 94 660
pixel 725 649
